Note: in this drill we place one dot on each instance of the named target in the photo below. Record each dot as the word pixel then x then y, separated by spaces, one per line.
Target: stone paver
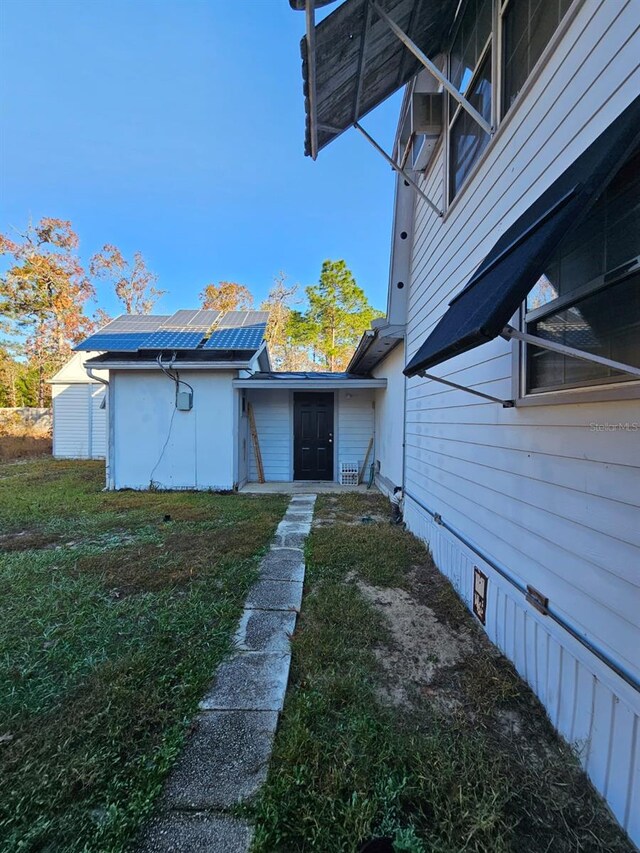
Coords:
pixel 289 540
pixel 283 564
pixel 290 525
pixel 269 594
pixel 226 758
pixel 265 630
pixel 299 517
pixel 252 681
pixel 198 832
pixel 224 762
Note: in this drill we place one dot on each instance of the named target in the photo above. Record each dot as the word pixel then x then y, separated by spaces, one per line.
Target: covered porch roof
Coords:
pixel 352 60
pixel 308 381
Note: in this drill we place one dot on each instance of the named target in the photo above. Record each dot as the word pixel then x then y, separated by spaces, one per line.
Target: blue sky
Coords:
pixel 176 127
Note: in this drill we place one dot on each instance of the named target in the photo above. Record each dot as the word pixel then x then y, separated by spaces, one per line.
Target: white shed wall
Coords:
pixel 537 488
pixel 153 441
pixel 389 421
pixel 71 425
pixel 98 422
pixel 79 424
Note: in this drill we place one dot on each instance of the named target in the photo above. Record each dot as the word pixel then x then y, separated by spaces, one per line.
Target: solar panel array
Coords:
pixel 172 339
pixel 116 342
pixel 246 337
pixel 184 330
pixel 237 319
pixel 124 334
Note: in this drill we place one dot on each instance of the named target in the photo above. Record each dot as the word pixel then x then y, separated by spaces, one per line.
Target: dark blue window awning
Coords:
pixel 480 312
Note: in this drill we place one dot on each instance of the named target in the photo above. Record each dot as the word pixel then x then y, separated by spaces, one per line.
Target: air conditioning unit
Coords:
pixel 426 126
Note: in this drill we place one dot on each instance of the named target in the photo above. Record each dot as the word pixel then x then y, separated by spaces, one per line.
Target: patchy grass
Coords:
pixel 113 622
pixel 467 762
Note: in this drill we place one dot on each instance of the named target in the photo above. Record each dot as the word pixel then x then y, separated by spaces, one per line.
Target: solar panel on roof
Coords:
pixel 241 319
pixel 205 318
pixel 232 319
pixel 247 337
pixel 180 319
pixel 255 317
pixel 140 322
pixel 172 339
pixel 114 342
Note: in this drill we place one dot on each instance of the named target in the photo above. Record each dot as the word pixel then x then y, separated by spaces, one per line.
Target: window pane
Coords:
pixel 472 35
pixel 528 26
pixel 467 139
pixel 606 324
pixel 608 238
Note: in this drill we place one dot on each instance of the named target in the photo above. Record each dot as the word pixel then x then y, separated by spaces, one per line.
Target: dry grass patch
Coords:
pixel 403 722
pixel 14 447
pixel 114 621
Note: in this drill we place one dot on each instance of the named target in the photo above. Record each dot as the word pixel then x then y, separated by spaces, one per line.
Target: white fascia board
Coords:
pixel 310 384
pixel 183 365
pixel 86 381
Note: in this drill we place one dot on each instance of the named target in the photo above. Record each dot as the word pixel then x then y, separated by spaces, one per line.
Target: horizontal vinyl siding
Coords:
pixel 272 412
pixel 355 427
pixel 71 421
pixel 98 423
pixel 537 488
pixel 590 706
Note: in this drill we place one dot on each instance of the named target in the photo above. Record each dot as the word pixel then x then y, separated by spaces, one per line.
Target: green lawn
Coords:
pixel 464 760
pixel 116 609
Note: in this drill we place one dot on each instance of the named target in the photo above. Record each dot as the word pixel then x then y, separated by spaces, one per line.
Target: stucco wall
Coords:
pixel 155 443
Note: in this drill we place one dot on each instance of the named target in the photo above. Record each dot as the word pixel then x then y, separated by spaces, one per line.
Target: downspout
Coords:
pixel 107 468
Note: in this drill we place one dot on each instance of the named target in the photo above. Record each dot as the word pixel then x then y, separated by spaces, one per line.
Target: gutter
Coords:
pixel 309 384
pixel 588 644
pixel 363 347
pixel 182 365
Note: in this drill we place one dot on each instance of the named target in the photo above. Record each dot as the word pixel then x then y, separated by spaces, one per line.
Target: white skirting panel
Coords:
pixel 591 707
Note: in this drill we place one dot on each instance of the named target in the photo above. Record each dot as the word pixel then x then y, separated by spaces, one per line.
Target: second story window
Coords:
pixel 470 72
pixel 527 28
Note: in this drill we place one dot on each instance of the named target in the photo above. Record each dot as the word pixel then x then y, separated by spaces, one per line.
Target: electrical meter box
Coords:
pixel 184 401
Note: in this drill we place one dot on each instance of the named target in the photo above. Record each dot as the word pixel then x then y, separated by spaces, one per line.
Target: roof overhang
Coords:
pixel 482 310
pixel 126 364
pixel 352 61
pixel 375 345
pixel 306 384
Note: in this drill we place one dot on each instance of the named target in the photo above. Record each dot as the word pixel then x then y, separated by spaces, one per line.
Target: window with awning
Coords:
pixel 514 267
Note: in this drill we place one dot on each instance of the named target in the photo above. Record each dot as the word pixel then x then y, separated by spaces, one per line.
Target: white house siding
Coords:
pixel 244 440
pixel 274 425
pixel 536 488
pixel 98 422
pixel 154 442
pixel 356 427
pixel 389 420
pixel 71 421
pixel 273 412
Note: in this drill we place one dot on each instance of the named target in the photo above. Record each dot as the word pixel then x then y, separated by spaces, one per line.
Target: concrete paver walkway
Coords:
pixel 226 759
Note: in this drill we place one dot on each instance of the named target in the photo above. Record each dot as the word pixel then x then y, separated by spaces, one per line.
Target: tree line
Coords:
pixel 46 294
